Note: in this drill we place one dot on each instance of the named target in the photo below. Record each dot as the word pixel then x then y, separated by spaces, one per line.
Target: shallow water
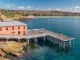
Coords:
pixel 68 26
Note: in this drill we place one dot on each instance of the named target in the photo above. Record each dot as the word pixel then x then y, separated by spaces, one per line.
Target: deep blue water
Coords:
pixel 68 26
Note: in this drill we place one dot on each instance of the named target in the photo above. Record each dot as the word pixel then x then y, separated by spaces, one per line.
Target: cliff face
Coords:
pixel 6 14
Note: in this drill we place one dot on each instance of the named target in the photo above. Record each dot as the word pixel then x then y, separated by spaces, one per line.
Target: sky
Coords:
pixel 59 5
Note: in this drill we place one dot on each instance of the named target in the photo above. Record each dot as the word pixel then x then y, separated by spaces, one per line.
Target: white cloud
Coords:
pixel 21 7
pixel 67 9
pixel 29 7
pixel 8 6
pixel 72 9
pixel 76 9
pixel 36 8
pixel 77 6
pixel 12 4
pixel 49 8
pixel 58 9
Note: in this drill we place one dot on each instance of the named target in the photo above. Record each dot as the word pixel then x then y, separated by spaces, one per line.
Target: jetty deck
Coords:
pixel 61 39
pixel 45 32
pixel 33 33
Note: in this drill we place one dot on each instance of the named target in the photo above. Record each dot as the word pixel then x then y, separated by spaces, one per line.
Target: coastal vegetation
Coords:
pixel 19 14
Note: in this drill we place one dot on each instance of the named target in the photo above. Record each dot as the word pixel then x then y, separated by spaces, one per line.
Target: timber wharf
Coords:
pixel 60 39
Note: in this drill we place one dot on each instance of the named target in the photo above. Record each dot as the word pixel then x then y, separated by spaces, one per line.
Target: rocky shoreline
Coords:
pixel 12 48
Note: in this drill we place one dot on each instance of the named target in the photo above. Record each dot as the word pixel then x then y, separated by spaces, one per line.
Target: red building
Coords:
pixel 13 28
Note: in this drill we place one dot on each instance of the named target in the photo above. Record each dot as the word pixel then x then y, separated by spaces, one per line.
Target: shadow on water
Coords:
pixel 56 47
pixel 40 50
pixel 47 43
pixel 53 46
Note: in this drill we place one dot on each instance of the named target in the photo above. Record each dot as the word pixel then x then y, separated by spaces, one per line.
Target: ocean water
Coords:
pixel 68 26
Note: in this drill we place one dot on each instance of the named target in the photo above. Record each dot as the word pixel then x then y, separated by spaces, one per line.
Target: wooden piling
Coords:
pixel 35 39
pixel 28 41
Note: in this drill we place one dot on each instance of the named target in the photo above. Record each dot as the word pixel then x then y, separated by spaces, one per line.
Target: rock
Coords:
pixel 24 44
pixel 13 47
pixel 17 53
pixel 2 53
pixel 2 58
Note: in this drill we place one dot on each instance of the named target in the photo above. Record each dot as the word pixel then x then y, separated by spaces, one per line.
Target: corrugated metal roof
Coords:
pixel 11 23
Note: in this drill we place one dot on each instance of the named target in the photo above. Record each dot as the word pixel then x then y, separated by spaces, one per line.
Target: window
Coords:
pixel 0 29
pixel 19 32
pixel 24 27
pixel 12 28
pixel 12 32
pixel 6 28
pixel 19 27
pixel 24 33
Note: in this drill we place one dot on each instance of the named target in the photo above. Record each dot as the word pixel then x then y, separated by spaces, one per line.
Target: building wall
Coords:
pixel 14 31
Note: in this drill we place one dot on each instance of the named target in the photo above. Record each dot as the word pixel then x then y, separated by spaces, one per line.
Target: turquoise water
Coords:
pixel 68 26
